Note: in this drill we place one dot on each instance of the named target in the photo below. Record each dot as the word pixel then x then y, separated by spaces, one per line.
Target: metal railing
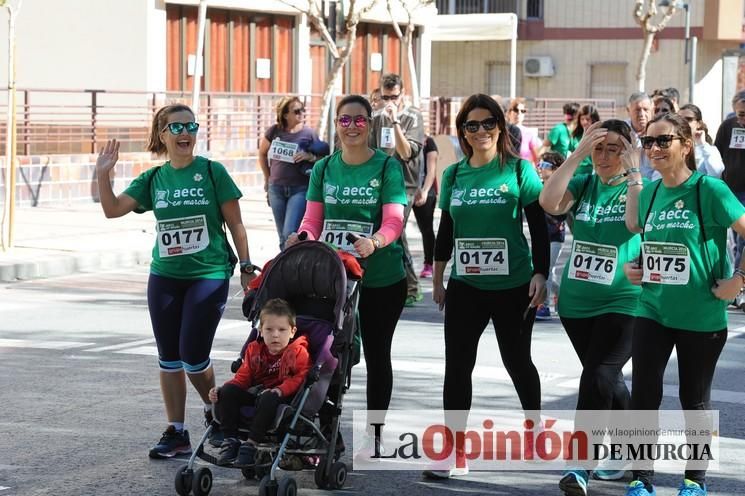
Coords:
pixel 79 122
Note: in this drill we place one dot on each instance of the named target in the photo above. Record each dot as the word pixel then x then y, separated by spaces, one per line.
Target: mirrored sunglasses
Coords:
pixel 177 128
pixel 360 121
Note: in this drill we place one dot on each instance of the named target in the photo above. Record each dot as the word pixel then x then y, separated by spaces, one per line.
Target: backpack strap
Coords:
pixel 232 257
pixel 577 200
pixel 703 230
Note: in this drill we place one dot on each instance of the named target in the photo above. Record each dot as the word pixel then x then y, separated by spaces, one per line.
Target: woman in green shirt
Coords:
pixel 685 276
pixel 495 276
pixel 597 304
pixel 360 190
pixel 586 117
pixel 191 197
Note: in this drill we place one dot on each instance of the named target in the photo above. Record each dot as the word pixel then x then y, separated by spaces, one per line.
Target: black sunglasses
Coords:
pixel 177 128
pixel 388 98
pixel 522 111
pixel 663 141
pixel 298 111
pixel 360 121
pixel 487 124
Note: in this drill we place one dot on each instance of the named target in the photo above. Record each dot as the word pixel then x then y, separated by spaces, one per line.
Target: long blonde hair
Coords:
pixel 283 106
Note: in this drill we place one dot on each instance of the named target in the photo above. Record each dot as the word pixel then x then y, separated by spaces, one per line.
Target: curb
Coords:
pixel 63 264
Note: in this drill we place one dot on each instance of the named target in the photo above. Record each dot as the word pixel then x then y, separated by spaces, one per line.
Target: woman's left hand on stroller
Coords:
pixel 276 391
pixel 214 394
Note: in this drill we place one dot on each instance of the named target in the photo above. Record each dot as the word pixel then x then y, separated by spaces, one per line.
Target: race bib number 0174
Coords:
pixel 592 262
pixel 184 236
pixel 665 263
pixel 481 257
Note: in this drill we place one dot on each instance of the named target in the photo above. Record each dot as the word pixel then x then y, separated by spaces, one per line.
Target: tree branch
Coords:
pixel 396 27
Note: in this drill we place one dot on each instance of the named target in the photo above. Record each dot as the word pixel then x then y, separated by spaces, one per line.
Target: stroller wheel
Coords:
pixel 248 473
pixel 337 476
pixel 320 476
pixel 267 487
pixel 201 484
pixel 287 487
pixel 182 483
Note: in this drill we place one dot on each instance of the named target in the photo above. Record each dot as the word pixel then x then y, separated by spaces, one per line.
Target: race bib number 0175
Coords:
pixel 592 262
pixel 184 236
pixel 481 257
pixel 335 232
pixel 665 263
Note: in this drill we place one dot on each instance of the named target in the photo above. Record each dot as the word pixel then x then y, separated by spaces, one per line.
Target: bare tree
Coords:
pixel 339 48
pixel 407 38
pixel 644 13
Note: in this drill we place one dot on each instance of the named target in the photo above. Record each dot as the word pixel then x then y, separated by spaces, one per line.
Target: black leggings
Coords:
pixel 380 309
pixel 603 346
pixel 698 353
pixel 467 313
pixel 228 408
pixel 424 217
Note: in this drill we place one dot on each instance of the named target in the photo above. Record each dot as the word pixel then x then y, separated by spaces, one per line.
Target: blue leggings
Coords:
pixel 185 314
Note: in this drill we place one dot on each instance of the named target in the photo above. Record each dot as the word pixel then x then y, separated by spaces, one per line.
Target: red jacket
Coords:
pixel 293 367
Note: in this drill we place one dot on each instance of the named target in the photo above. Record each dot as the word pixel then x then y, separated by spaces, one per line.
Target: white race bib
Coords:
pixel 184 236
pixel 592 262
pixel 666 263
pixel 387 137
pixel 283 151
pixel 738 138
pixel 481 257
pixel 335 232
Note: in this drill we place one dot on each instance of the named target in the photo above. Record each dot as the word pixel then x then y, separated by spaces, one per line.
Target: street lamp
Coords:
pixel 691 41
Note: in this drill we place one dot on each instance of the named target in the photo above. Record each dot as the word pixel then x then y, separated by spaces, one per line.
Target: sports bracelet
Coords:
pixel 634 183
pixel 741 273
pixel 633 170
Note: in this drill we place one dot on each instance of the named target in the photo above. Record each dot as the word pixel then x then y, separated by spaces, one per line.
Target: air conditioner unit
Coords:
pixel 538 67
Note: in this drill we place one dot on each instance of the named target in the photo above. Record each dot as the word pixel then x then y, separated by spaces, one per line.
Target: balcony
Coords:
pixel 453 7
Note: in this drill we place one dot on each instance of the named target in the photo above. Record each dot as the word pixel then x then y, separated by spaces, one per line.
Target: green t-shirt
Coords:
pixel 562 140
pixel 584 167
pixel 593 282
pixel 353 197
pixel 491 251
pixel 190 243
pixel 688 303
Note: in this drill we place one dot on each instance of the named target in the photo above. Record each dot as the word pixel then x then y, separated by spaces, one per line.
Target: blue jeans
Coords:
pixel 288 207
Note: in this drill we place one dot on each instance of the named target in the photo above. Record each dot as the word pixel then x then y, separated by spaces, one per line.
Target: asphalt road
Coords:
pixel 81 404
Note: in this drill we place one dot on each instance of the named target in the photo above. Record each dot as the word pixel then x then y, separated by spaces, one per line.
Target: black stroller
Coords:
pixel 305 434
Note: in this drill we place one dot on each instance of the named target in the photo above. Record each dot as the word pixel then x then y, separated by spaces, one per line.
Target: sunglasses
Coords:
pixel 663 141
pixel 177 128
pixel 522 111
pixel 360 121
pixel 546 165
pixel 388 98
pixel 298 111
pixel 487 124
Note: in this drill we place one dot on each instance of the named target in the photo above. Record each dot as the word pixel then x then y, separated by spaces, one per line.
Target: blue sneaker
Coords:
pixel 636 488
pixel 608 475
pixel 543 313
pixel 172 443
pixel 574 483
pixel 690 488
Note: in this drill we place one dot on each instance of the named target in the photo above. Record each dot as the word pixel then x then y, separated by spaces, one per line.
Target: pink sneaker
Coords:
pixel 426 271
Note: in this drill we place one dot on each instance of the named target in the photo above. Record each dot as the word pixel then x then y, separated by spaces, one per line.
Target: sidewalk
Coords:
pixel 56 241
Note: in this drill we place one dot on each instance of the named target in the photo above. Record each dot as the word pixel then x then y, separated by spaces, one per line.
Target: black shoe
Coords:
pixel 246 454
pixel 216 436
pixel 172 443
pixel 228 451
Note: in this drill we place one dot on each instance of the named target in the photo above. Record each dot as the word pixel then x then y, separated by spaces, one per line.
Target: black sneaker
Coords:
pixel 228 451
pixel 216 435
pixel 172 443
pixel 246 454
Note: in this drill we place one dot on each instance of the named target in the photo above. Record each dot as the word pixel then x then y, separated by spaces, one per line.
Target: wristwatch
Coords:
pixel 376 242
pixel 248 268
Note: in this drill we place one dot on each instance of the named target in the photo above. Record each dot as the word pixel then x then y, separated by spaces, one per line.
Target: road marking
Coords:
pixel 121 345
pixel 3 488
pixel 44 345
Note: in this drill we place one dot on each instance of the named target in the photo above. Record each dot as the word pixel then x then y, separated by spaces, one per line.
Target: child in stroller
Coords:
pixel 273 370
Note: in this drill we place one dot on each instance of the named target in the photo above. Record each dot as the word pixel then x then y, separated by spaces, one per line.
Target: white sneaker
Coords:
pixel 460 469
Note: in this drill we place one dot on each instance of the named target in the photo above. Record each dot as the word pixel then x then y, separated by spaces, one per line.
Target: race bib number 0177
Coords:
pixel 184 236
pixel 592 262
pixel 335 232
pixel 481 257
pixel 665 263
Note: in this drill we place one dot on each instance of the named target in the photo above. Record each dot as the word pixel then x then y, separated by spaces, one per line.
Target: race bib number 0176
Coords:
pixel 481 257
pixel 592 262
pixel 184 236
pixel 335 232
pixel 665 263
